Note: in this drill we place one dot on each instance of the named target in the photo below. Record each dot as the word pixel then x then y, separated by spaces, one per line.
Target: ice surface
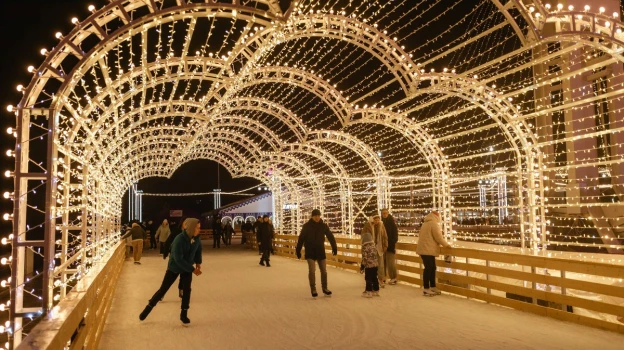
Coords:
pixel 237 304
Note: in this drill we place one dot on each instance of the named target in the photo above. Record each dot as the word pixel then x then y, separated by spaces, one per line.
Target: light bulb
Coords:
pixel 20 87
pixel 91 8
pixel 58 35
pixel 3 261
pixel 9 130
pixel 10 108
pixel 6 216
pixel 4 241
pixel 586 7
pixel 7 173
pixel 571 8
pixel 74 20
pixel 7 195
pixel 601 9
pixel 559 6
pixel 9 153
pixel 31 69
pixel 44 52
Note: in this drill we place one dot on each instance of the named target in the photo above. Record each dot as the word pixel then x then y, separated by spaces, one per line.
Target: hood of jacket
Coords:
pixel 432 217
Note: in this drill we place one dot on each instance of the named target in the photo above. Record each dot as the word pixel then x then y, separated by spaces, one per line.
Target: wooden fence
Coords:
pixel 78 320
pixel 568 290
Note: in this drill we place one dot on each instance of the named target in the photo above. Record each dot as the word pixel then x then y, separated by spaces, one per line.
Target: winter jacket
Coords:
pixel 163 233
pixel 392 231
pixel 430 238
pixel 369 255
pixel 137 233
pixel 264 235
pixel 184 253
pixel 216 228
pixel 228 230
pixel 313 238
pixel 379 236
pixel 175 232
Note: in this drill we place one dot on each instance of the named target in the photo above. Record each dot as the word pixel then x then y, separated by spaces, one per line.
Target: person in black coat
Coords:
pixel 216 233
pixel 393 237
pixel 265 238
pixel 312 237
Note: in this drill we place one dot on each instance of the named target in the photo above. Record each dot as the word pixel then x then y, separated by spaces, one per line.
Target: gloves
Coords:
pixel 298 255
pixel 334 251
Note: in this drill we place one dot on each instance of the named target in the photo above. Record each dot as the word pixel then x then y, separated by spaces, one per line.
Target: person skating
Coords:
pixel 312 237
pixel 429 241
pixel 381 242
pixel 216 233
pixel 369 265
pixel 162 234
pixel 228 231
pixel 265 238
pixel 138 236
pixel 185 252
pixel 393 237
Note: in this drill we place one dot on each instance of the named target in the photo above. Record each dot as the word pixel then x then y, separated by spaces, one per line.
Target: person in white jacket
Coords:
pixel 162 234
pixel 429 242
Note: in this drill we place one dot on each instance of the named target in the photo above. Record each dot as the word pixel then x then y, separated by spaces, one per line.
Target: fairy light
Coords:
pixel 339 108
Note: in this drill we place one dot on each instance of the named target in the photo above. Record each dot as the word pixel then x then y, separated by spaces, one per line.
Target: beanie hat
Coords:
pixel 367 237
pixel 316 212
pixel 191 225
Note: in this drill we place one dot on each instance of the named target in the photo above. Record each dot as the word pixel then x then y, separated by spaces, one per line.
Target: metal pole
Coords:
pixel 50 227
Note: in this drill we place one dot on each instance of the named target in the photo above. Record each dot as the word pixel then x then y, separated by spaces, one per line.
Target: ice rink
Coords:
pixel 238 304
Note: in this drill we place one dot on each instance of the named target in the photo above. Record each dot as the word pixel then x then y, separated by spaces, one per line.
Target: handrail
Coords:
pixel 568 290
pixel 78 320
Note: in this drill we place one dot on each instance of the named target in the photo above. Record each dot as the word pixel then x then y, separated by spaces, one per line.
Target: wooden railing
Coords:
pixel 569 290
pixel 78 320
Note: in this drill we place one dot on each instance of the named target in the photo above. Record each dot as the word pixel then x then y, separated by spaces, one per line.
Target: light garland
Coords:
pixel 335 107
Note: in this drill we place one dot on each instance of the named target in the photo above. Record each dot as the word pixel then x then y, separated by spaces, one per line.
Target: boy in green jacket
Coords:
pixel 186 250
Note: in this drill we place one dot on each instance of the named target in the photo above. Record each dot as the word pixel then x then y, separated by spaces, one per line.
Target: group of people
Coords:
pixel 378 247
pixel 137 234
pixel 221 231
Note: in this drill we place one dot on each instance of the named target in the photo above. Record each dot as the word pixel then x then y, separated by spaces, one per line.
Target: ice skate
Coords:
pixel 376 293
pixel 366 294
pixel 327 292
pixel 429 293
pixel 183 317
pixel 436 291
pixel 145 312
pixel 314 293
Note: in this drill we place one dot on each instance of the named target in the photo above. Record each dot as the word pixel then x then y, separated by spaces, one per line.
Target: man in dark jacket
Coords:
pixel 264 238
pixel 216 233
pixel 393 238
pixel 255 229
pixel 312 237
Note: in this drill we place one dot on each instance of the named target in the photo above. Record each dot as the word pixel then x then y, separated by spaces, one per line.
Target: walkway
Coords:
pixel 237 304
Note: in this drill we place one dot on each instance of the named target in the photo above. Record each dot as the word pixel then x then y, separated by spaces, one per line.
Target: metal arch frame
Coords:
pixel 268 107
pixel 339 27
pixel 300 78
pixel 71 42
pixel 358 146
pixel 497 108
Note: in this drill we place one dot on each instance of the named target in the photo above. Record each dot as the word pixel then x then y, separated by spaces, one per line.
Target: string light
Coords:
pixel 516 141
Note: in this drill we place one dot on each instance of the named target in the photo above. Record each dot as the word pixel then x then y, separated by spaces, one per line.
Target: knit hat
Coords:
pixel 316 212
pixel 191 225
pixel 367 237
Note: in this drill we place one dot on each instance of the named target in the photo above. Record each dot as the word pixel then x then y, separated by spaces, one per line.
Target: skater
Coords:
pixel 138 236
pixel 255 227
pixel 228 231
pixel 265 237
pixel 429 242
pixel 185 251
pixel 152 234
pixel 216 233
pixel 369 265
pixel 393 238
pixel 162 234
pixel 312 236
pixel 381 242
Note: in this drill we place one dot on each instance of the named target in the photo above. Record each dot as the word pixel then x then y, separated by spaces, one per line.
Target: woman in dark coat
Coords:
pixel 265 238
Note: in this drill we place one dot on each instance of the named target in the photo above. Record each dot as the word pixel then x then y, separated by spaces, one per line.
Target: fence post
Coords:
pixel 487 277
pixel 563 291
